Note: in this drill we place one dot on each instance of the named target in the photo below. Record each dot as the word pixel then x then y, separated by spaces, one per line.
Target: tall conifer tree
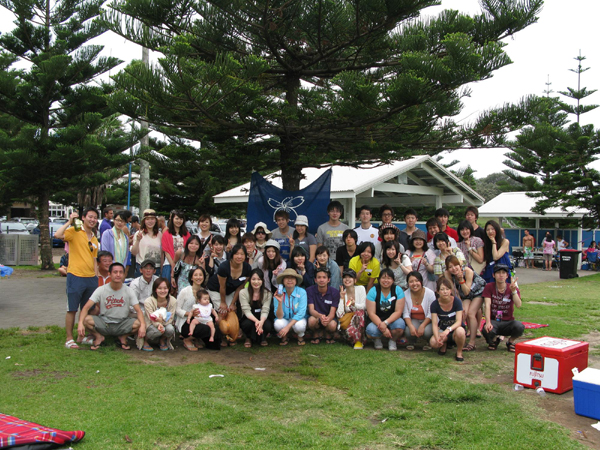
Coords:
pixel 63 138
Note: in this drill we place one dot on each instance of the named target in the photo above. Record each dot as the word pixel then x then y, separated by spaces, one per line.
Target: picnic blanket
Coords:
pixel 528 325
pixel 533 325
pixel 26 435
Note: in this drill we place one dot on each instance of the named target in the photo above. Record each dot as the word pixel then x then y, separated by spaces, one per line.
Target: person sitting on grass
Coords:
pixel 255 300
pixel 63 265
pixel 290 307
pixel 158 328
pixel 385 305
pixel 351 309
pixel 114 300
pixel 469 286
pixel 446 320
pixel 417 311
pixel 500 300
pixel 322 303
pixel 204 316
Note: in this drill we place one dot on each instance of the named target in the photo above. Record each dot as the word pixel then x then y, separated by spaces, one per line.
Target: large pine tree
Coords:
pixel 559 153
pixel 63 136
pixel 310 82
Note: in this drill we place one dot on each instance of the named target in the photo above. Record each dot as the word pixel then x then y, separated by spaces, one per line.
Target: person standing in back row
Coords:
pixel 331 232
pixel 366 231
pixel 82 279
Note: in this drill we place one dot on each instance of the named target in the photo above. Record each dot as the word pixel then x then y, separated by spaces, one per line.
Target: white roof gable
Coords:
pixel 419 175
pixel 519 204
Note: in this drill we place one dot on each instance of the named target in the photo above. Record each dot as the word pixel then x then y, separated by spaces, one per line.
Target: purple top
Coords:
pixel 323 302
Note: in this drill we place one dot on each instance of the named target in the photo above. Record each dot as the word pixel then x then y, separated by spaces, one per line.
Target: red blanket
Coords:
pixel 15 432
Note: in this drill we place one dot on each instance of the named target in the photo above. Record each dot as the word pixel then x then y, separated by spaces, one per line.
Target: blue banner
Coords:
pixel 265 200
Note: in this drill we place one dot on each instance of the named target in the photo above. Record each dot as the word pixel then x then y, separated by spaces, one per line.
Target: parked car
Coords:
pixel 53 227
pixel 13 228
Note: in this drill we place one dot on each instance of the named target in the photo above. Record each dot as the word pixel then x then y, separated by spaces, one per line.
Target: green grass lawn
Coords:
pixel 313 397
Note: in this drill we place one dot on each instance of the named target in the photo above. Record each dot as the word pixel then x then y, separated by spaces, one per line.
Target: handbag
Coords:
pixel 177 269
pixel 345 320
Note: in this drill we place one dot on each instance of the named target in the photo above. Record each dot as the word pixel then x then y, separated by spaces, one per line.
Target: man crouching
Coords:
pixel 113 319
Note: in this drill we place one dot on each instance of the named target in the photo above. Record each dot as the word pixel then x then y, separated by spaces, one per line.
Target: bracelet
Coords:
pixel 462 282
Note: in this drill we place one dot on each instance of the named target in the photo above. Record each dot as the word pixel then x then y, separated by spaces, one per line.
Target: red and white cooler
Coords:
pixel 547 362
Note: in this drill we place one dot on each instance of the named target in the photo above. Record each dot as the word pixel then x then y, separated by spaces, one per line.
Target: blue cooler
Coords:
pixel 586 393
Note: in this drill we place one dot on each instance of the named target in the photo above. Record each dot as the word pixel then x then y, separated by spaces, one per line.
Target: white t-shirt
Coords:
pixel 370 234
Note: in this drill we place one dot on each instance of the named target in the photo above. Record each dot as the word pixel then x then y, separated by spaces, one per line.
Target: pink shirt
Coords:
pixel 548 247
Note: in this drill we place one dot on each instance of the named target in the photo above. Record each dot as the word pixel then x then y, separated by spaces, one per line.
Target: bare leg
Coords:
pixel 193 324
pixel 460 339
pixel 69 323
pixel 211 325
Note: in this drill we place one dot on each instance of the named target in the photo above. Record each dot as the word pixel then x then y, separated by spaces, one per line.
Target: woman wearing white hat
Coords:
pixel 290 307
pixel 301 238
pixel 262 235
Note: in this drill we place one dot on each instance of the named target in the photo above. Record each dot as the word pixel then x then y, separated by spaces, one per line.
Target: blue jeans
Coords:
pixel 166 273
pixel 373 331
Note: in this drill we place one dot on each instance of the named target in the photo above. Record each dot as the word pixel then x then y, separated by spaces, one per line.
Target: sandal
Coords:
pixel 264 343
pixel 410 347
pixel 330 341
pixel 469 348
pixel 316 341
pixel 71 344
pixel 248 343
pixel 510 346
pixel 122 346
pixel 494 345
pixel 284 341
pixel 301 341
pixel 191 348
pixel 164 347
pixel 147 348
pixel 426 348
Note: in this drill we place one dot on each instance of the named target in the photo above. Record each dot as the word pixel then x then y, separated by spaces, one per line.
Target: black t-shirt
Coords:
pixel 446 318
pixel 480 233
pixel 342 257
pixel 231 284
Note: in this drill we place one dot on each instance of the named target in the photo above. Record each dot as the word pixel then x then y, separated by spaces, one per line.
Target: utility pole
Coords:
pixel 144 165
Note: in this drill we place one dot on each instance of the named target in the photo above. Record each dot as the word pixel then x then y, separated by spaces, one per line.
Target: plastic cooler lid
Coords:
pixel 550 342
pixel 589 375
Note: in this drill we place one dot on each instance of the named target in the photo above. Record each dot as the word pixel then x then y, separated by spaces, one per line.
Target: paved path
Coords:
pixel 42 301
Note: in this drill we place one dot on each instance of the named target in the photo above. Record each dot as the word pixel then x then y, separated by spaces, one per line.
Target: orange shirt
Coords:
pixel 82 253
pixel 417 313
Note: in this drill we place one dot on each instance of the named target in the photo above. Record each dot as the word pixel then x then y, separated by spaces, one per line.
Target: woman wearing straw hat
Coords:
pixel 290 307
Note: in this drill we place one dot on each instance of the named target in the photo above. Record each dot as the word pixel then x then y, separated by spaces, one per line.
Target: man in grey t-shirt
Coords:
pixel 330 233
pixel 114 301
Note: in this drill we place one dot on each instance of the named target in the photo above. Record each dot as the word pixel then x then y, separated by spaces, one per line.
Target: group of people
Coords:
pixel 363 284
pixel 549 246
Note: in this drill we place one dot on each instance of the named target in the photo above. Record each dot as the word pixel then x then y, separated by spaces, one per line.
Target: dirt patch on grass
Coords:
pixel 36 372
pixel 542 303
pixel 271 359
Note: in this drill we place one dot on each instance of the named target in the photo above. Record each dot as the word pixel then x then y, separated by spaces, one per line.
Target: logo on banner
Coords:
pixel 288 205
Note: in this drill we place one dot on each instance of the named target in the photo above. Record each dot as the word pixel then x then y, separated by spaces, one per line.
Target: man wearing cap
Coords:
pixel 142 285
pixel 290 307
pixel 114 301
pixel 500 300
pixel 323 302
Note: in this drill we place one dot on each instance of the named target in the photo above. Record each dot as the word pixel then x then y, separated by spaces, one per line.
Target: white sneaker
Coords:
pixel 378 344
pixel 392 345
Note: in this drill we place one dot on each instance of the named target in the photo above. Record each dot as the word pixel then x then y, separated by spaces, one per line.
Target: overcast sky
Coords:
pixel 544 49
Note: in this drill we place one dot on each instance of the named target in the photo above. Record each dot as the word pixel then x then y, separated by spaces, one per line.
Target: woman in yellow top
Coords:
pixel 365 265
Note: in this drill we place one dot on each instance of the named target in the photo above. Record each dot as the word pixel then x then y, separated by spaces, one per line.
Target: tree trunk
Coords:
pixel 291 171
pixel 45 239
